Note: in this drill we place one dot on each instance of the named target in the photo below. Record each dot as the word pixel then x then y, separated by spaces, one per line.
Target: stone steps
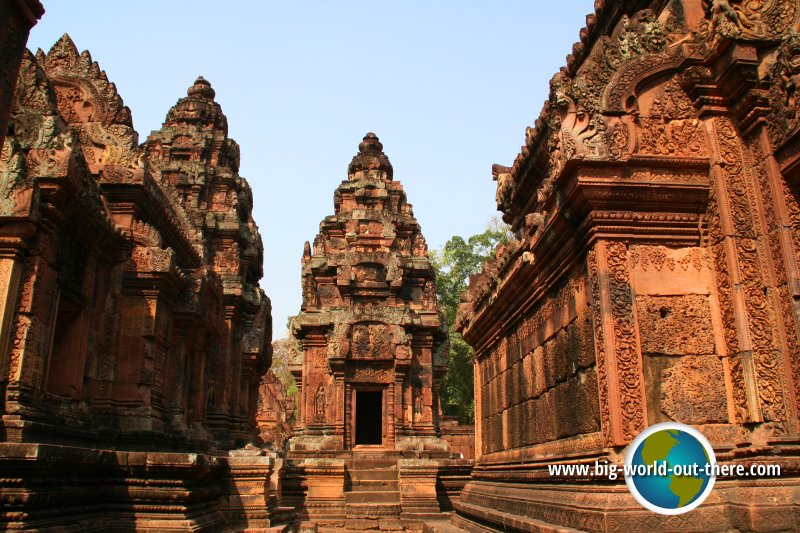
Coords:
pixel 373 510
pixel 441 526
pixel 373 496
pixel 384 525
pixel 373 475
pixel 364 485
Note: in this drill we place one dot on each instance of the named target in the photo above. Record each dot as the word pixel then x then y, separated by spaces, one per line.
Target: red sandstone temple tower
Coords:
pixel 367 453
pixel 133 333
pixel 373 345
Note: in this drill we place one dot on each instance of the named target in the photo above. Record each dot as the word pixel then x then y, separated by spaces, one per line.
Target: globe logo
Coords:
pixel 670 468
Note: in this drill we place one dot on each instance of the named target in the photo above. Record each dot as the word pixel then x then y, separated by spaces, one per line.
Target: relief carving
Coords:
pixel 319 404
pixel 750 19
pixel 628 352
pixel 785 78
pixel 371 341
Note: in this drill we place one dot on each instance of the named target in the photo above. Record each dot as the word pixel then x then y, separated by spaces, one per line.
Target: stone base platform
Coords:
pixel 764 505
pixel 51 488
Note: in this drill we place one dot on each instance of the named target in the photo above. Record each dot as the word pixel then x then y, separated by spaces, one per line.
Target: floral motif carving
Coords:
pixel 656 256
pixel 618 140
pixel 626 343
pixel 599 344
pixel 145 235
pixel 738 191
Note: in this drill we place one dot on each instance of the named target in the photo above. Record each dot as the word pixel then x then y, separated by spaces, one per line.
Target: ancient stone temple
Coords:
pixel 655 276
pixel 133 333
pixel 374 350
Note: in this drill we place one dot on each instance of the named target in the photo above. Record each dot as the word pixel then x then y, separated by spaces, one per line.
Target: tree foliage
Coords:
pixel 454 262
pixel 286 352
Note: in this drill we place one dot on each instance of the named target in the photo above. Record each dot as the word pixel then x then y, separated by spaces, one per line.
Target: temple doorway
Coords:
pixel 369 422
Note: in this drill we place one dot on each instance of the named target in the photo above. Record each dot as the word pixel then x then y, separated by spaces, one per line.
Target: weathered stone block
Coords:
pixel 528 376
pixel 675 325
pixel 693 391
pixel 540 381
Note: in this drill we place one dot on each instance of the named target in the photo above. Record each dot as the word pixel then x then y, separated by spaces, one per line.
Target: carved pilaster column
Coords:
pixel 10 274
pixel 391 414
pixel 623 404
pixel 338 395
pixel 423 351
pixel 314 348
pixel 753 359
pixel 399 415
pixel 479 408
pixel 779 228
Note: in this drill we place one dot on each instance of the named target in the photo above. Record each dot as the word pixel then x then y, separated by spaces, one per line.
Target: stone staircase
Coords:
pixel 372 495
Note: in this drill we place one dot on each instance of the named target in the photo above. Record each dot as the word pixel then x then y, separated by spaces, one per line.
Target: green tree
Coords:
pixel 454 262
pixel 285 353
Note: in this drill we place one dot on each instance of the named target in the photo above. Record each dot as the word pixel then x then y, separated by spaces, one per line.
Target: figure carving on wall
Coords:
pixel 790 73
pixel 319 246
pixel 319 404
pixel 210 399
pixel 417 403
pixel 403 351
pixel 338 341
pixel 404 245
pixel 751 19
pixel 505 189
pixel 723 13
pixel 785 79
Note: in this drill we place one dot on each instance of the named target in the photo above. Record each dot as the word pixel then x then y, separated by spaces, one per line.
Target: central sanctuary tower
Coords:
pixel 373 344
pixel 367 453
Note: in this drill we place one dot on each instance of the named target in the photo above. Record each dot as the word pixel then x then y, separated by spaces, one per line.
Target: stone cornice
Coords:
pixel 651 199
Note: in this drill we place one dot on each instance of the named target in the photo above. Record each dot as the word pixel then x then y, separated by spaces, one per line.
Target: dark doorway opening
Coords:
pixel 65 368
pixel 369 406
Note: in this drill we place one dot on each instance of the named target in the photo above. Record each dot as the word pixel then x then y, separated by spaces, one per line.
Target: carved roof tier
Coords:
pixel 192 157
pixel 183 183
pixel 369 260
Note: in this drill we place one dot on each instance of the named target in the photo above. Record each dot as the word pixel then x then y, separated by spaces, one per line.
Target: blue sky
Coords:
pixel 448 86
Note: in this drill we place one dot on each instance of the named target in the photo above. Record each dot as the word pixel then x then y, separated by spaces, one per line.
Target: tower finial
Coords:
pixel 370 161
pixel 370 145
pixel 201 88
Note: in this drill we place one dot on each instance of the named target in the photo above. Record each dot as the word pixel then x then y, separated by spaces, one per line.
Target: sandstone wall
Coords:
pixel 539 382
pixel 654 272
